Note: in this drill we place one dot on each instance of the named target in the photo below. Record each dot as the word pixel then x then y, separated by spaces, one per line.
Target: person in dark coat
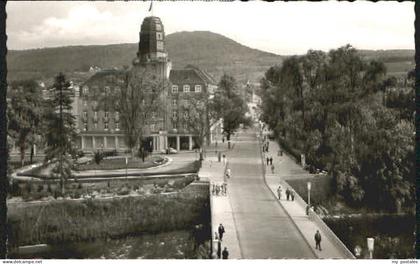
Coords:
pixel 287 194
pixel 292 194
pixel 268 161
pixel 225 254
pixel 318 240
pixel 271 160
pixel 221 231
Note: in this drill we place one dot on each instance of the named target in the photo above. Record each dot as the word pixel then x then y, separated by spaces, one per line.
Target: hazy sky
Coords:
pixel 278 27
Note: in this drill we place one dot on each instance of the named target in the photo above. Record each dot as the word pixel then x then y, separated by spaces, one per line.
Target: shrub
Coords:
pixel 98 157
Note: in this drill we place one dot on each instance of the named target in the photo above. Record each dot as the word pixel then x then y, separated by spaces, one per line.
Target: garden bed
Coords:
pixel 116 163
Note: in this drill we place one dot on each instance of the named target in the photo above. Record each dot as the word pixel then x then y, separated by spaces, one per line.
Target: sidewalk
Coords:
pixel 221 210
pixel 285 167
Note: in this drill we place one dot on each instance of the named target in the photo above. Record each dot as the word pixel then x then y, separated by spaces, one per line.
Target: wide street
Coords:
pixel 264 229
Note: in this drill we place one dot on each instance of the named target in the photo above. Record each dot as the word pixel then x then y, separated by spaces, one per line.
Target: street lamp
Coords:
pixel 309 193
pixel 126 167
pixel 370 244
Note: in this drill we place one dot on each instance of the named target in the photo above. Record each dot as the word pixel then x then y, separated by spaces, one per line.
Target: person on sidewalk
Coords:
pixel 221 231
pixel 228 173
pixel 271 160
pixel 318 240
pixel 268 160
pixel 224 188
pixel 287 193
pixel 279 192
pixel 225 254
pixel 292 194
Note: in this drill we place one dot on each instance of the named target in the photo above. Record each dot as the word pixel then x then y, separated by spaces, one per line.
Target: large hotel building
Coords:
pixel 97 111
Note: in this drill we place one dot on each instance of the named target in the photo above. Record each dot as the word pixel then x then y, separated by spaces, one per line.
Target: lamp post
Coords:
pixel 126 167
pixel 370 245
pixel 309 193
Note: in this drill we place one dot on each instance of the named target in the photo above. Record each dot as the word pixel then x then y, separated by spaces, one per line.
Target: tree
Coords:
pixel 24 114
pixel 60 128
pixel 141 100
pixel 231 105
pixel 197 113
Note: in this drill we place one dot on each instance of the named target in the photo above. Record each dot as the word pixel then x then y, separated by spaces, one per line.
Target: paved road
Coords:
pixel 264 228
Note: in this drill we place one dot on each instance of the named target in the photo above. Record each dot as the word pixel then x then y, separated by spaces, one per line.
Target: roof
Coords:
pixel 190 74
pixel 102 74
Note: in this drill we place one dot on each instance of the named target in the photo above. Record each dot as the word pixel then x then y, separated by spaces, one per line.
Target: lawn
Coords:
pixel 119 163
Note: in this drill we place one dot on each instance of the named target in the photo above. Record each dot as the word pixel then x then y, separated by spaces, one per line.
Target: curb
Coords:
pixel 290 217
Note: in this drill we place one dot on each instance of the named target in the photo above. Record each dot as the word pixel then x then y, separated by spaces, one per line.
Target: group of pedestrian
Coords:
pixel 290 194
pixel 219 189
pixel 219 237
pixel 265 146
pixel 269 160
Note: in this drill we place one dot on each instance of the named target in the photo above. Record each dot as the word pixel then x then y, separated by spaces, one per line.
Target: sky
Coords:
pixel 283 28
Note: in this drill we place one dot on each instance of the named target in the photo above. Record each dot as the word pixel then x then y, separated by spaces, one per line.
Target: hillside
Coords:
pixel 212 52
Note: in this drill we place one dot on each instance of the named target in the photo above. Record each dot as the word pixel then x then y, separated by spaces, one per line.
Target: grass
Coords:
pixel 119 163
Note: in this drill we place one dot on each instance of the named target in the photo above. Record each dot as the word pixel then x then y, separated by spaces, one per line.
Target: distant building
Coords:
pixel 97 112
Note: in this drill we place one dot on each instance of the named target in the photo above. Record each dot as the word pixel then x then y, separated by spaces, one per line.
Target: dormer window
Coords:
pixel 198 88
pixel 186 88
pixel 174 88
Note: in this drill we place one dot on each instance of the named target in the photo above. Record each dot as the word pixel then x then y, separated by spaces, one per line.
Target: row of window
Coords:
pixel 106 114
pixel 106 126
pixel 186 88
pixel 107 90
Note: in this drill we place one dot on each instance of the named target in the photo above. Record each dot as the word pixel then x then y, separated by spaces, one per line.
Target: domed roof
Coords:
pixel 151 23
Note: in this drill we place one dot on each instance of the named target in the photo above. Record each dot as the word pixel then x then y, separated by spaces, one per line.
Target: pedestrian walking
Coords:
pixel 217 190
pixel 318 240
pixel 279 192
pixel 225 253
pixel 271 160
pixel 287 194
pixel 268 160
pixel 221 230
pixel 223 139
pixel 219 249
pixel 292 194
pixel 224 188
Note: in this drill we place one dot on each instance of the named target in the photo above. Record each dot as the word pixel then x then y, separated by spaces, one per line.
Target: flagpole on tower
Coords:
pixel 151 7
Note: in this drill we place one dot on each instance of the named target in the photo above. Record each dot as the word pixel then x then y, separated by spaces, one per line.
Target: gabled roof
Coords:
pixel 191 74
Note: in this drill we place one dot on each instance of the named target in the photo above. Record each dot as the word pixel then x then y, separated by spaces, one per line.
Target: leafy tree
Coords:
pixel 60 128
pixel 141 99
pixel 197 113
pixel 24 114
pixel 231 105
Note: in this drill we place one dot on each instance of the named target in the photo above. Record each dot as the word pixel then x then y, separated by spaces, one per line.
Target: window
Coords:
pixel 117 126
pixel 85 128
pixel 106 125
pixel 117 115
pixel 198 88
pixel 85 114
pixel 186 88
pixel 96 125
pixel 152 127
pixel 106 114
pixel 85 103
pixel 174 88
pixel 95 114
pixel 158 27
pixel 159 45
pixel 159 36
pixel 174 102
